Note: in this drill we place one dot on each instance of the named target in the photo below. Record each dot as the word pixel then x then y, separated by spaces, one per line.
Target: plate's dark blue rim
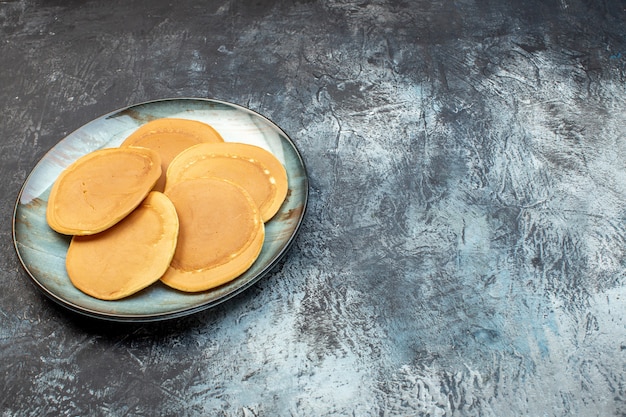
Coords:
pixel 140 318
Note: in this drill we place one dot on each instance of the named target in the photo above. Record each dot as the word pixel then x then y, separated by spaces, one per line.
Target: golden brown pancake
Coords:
pixel 100 189
pixel 129 256
pixel 221 233
pixel 252 167
pixel 170 136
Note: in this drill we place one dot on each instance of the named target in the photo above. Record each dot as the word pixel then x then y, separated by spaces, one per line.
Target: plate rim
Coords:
pixel 180 312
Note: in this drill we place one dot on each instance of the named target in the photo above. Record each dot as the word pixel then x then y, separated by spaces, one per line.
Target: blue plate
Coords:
pixel 42 251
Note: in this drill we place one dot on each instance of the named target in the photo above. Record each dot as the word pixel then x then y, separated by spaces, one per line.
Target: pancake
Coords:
pixel 221 234
pixel 252 167
pixel 129 256
pixel 100 189
pixel 170 136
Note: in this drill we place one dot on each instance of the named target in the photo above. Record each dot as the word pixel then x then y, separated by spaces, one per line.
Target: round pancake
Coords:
pixel 100 189
pixel 129 256
pixel 221 234
pixel 170 136
pixel 252 167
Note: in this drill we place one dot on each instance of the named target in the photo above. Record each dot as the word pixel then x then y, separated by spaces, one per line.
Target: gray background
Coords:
pixel 463 253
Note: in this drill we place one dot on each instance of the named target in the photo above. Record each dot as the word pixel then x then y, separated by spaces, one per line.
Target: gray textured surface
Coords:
pixel 464 251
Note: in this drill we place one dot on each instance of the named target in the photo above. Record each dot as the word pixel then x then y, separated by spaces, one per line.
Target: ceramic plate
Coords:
pixel 42 251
